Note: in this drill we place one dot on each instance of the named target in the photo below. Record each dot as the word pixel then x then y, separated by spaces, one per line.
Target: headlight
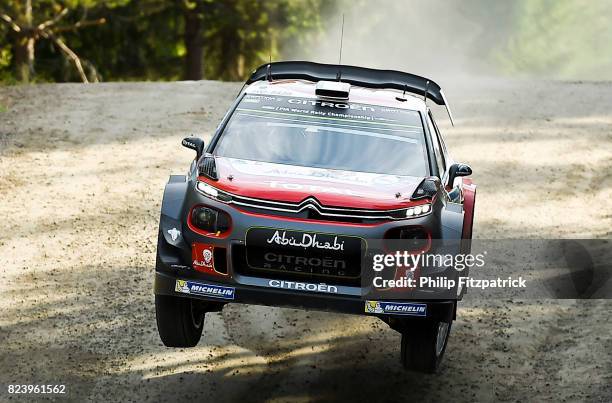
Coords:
pixel 207 189
pixel 205 219
pixel 210 220
pixel 410 238
pixel 418 211
pixel 213 192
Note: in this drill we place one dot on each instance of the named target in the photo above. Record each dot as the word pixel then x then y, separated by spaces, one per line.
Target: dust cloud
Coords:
pixel 554 40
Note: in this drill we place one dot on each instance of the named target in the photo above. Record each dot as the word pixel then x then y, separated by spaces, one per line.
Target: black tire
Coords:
pixel 421 350
pixel 179 321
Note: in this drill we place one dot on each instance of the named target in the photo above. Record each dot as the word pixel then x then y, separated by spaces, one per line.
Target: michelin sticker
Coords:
pixel 208 290
pixel 396 308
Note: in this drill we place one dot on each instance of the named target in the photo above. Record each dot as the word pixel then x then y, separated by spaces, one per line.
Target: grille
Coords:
pixel 311 208
pixel 351 276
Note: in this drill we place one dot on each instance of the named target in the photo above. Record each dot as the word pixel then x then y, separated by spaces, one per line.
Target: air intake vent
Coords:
pixel 333 90
pixel 427 189
pixel 207 167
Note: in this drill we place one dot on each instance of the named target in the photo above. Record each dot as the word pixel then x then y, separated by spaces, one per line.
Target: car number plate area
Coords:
pixel 304 252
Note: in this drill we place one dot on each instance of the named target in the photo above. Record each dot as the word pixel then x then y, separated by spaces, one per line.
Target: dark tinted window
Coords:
pixel 326 134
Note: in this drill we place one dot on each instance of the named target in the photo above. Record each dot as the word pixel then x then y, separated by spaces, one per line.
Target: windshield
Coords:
pixel 326 134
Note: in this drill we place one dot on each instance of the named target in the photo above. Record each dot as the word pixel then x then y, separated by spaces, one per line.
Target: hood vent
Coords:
pixel 427 189
pixel 207 167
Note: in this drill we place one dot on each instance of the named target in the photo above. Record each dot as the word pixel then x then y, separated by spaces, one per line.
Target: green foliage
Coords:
pixel 146 39
pixel 139 41
pixel 6 56
pixel 243 34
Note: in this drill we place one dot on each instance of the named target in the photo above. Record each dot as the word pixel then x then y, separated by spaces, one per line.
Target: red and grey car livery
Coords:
pixel 311 163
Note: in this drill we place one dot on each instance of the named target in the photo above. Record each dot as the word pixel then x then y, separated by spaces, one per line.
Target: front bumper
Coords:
pixel 174 262
pixel 165 284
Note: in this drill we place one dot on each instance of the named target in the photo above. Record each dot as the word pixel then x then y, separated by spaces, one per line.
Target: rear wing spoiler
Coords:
pixel 360 76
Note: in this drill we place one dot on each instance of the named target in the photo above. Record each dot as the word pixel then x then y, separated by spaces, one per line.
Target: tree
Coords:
pixel 194 42
pixel 151 39
pixel 26 30
pixel 242 34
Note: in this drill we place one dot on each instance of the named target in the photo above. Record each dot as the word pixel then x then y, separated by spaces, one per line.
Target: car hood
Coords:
pixel 331 187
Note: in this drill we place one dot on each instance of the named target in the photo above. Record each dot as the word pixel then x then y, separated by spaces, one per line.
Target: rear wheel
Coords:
pixel 423 345
pixel 179 320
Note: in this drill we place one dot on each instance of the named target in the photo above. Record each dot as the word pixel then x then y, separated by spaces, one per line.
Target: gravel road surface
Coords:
pixel 82 170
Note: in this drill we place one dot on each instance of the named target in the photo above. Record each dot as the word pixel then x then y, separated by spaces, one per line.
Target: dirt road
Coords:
pixel 82 170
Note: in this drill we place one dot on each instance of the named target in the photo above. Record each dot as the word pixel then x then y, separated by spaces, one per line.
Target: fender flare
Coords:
pixel 172 207
pixel 174 196
pixel 469 202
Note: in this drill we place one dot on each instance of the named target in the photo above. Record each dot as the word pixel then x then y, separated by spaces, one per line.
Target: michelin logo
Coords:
pixel 396 308
pixel 215 291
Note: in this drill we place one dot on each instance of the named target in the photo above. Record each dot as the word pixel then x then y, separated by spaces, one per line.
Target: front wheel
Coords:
pixel 423 345
pixel 179 321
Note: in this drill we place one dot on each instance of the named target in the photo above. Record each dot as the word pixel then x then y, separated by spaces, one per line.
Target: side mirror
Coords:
pixel 194 143
pixel 457 170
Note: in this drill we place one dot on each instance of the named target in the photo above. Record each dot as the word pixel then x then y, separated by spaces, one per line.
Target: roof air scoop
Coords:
pixel 333 90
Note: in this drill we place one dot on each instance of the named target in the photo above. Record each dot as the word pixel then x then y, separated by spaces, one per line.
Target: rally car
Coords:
pixel 310 164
